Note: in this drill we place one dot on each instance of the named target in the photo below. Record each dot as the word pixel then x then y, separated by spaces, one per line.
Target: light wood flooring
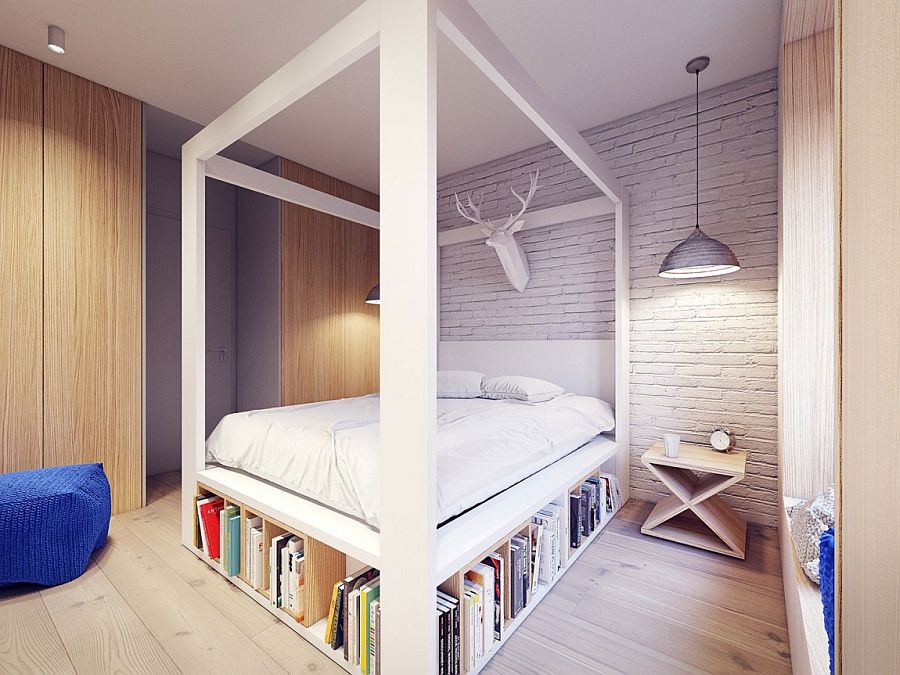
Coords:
pixel 630 604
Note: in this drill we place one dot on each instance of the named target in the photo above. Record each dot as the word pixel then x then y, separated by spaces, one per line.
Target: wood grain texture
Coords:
pixel 29 642
pixel 869 203
pixel 92 281
pixel 802 18
pixel 329 335
pixel 324 567
pixel 100 631
pixel 808 268
pixel 21 396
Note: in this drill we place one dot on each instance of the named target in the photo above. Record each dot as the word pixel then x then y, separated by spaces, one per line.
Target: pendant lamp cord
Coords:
pixel 697 146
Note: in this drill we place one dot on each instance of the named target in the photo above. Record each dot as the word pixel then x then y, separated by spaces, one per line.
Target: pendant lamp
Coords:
pixel 374 296
pixel 699 255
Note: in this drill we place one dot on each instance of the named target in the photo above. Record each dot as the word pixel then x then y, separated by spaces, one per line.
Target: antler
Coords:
pixel 475 209
pixel 472 212
pixel 525 201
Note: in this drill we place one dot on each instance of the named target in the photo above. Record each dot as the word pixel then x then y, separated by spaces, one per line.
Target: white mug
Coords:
pixel 672 442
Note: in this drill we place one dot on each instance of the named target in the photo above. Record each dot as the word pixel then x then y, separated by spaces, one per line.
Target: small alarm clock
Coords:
pixel 722 440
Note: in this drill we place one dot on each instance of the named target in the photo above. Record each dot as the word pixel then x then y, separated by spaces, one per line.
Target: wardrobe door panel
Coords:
pixel 329 335
pixel 20 262
pixel 92 281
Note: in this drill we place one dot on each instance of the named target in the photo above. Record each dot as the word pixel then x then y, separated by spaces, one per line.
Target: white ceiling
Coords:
pixel 599 60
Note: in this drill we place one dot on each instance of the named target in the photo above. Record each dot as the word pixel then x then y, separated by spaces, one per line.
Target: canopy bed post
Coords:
pixel 193 337
pixel 623 366
pixel 408 169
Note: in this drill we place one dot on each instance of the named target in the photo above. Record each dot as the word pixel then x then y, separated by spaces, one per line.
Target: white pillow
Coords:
pixel 459 383
pixel 520 388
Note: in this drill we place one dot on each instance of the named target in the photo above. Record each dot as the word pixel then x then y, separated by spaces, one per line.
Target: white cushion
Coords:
pixel 459 383
pixel 520 388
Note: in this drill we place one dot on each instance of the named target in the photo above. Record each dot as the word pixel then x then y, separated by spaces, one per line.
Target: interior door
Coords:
pixel 220 294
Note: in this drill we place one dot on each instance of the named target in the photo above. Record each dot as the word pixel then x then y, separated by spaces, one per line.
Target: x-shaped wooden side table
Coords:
pixel 695 478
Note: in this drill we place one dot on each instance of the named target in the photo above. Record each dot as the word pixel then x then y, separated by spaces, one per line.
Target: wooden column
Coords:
pixel 92 281
pixel 21 396
pixel 868 38
pixel 408 335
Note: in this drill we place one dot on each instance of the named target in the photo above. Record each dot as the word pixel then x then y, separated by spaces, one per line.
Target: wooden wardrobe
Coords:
pixel 70 274
pixel 304 330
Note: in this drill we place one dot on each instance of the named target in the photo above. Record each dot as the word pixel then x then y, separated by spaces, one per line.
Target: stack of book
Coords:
pixel 520 574
pixel 253 550
pixel 546 537
pixel 287 574
pixel 354 620
pixel 448 627
pixel 613 495
pixel 208 522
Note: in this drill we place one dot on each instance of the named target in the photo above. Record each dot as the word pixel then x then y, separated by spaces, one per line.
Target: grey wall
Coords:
pixel 703 352
pixel 163 302
pixel 258 298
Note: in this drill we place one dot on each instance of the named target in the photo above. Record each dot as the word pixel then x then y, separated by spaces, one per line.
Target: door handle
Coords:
pixel 221 351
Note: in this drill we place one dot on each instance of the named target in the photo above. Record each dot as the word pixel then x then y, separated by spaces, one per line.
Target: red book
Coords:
pixel 209 514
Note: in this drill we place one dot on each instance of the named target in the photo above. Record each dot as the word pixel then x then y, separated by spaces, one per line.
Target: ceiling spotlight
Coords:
pixel 56 39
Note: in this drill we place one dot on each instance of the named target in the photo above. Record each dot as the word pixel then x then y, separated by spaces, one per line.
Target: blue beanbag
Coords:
pixel 826 586
pixel 51 521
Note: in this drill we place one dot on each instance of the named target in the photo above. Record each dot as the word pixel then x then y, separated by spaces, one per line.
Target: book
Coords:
pixel 476 625
pixel 222 527
pixel 198 524
pixel 495 560
pixel 256 557
pixel 234 543
pixel 374 636
pixel 351 583
pixel 367 593
pixel 515 590
pixel 549 547
pixel 584 505
pixel 574 519
pixel 537 545
pixel 202 501
pixel 378 638
pixel 353 627
pixel 296 584
pixel 209 512
pixel 443 640
pixel 523 571
pixel 332 609
pixel 249 525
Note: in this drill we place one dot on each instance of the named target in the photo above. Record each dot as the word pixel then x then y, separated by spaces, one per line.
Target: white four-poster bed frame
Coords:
pixel 412 554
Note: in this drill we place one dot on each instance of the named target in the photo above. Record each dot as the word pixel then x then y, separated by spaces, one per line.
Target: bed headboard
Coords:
pixel 585 367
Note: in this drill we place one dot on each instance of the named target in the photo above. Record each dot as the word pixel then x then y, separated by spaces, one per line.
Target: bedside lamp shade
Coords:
pixel 374 296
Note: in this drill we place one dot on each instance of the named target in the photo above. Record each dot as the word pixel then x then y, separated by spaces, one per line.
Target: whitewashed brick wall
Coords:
pixel 703 352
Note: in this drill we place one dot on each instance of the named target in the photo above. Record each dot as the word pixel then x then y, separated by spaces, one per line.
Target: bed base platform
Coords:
pixel 337 545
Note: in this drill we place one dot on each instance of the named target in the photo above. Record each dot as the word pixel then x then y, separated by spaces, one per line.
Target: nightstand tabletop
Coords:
pixel 699 458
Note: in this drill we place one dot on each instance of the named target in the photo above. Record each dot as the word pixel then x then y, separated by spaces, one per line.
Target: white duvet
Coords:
pixel 329 451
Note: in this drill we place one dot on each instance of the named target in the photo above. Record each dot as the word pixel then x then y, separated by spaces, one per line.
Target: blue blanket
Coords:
pixel 826 586
pixel 51 521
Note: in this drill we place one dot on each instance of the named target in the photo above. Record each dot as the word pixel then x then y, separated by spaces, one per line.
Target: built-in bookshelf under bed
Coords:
pixel 511 518
pixel 535 553
pixel 323 567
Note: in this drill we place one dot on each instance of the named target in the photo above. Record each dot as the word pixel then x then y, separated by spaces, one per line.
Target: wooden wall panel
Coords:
pixel 92 280
pixel 868 35
pixel 20 262
pixel 802 18
pixel 329 335
pixel 808 267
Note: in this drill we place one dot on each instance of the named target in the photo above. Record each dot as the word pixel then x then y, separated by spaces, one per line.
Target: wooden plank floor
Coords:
pixel 631 604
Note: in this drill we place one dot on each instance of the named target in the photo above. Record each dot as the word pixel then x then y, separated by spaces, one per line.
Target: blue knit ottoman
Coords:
pixel 51 521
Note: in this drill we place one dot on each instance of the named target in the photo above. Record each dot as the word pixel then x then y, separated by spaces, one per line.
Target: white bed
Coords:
pixel 329 451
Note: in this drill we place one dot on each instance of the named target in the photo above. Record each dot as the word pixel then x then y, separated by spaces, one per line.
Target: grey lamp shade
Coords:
pixel 699 256
pixel 374 296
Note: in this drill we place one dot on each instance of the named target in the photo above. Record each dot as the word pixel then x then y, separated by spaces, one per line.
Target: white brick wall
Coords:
pixel 703 352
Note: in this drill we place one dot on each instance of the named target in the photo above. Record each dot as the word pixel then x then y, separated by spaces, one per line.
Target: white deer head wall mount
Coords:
pixel 501 236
